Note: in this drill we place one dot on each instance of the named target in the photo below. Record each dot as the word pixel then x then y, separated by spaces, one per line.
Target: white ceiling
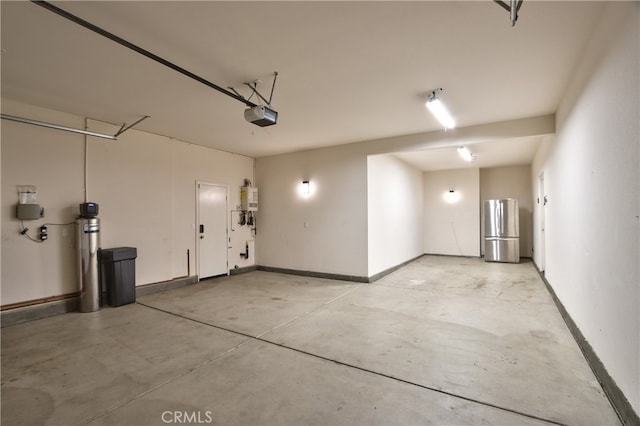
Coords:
pixel 348 71
pixel 498 153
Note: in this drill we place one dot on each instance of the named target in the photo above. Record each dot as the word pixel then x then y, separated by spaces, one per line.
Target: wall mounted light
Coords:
pixel 451 196
pixel 437 108
pixel 306 188
pixel 466 154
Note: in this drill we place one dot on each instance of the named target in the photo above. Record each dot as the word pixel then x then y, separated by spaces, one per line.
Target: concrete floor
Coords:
pixel 444 340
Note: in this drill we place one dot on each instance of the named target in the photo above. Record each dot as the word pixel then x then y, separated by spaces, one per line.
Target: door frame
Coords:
pixel 541 224
pixel 197 223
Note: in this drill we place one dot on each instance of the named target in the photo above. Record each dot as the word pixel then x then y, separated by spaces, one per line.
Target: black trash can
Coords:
pixel 119 272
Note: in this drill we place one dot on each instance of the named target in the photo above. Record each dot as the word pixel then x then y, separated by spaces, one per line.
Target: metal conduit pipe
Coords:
pixel 55 126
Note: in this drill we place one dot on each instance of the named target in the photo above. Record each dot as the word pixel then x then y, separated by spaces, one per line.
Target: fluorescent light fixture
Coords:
pixel 437 108
pixel 466 154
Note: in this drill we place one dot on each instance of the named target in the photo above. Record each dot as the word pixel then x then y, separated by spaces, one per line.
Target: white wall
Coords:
pixel 144 184
pixel 334 239
pixel 53 162
pixel 131 181
pixel 193 163
pixel 510 182
pixel 395 211
pixel 593 186
pixel 452 227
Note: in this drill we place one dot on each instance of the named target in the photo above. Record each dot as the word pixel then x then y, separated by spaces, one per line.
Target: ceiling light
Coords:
pixel 437 108
pixel 466 154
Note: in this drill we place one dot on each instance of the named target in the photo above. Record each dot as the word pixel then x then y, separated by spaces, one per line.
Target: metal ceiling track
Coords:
pixel 140 50
pixel 513 8
pixel 123 129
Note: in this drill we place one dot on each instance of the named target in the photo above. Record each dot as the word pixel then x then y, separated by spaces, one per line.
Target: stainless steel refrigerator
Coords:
pixel 501 231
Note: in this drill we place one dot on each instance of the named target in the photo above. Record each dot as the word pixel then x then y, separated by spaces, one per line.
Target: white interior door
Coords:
pixel 211 230
pixel 542 201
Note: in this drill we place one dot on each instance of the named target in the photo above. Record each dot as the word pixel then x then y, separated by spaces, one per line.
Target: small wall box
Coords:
pixel 29 211
pixel 249 198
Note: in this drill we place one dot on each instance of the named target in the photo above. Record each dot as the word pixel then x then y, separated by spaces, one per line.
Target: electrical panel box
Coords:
pixel 249 198
pixel 29 211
